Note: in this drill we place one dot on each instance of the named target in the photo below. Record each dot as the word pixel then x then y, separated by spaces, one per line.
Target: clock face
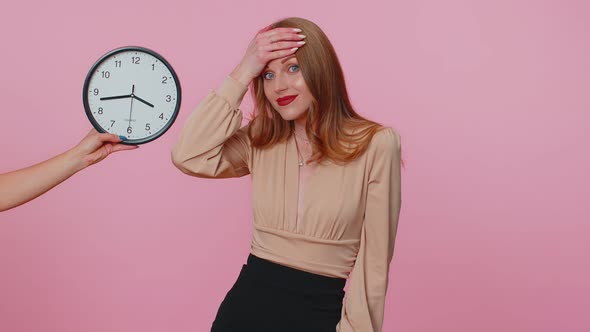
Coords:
pixel 133 92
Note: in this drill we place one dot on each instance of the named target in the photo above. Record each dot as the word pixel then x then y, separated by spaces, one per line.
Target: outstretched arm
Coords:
pixel 20 186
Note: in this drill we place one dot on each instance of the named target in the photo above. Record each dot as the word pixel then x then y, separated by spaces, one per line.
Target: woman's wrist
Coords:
pixel 241 75
pixel 74 161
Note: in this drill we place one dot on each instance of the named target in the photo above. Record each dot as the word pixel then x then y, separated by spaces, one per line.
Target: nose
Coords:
pixel 280 83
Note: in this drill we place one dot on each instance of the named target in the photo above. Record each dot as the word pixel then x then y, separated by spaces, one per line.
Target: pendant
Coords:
pixel 300 163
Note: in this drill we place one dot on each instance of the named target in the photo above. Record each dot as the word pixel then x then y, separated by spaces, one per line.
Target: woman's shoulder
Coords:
pixel 386 139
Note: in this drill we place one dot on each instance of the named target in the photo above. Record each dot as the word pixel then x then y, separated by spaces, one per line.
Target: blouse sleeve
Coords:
pixel 365 297
pixel 212 144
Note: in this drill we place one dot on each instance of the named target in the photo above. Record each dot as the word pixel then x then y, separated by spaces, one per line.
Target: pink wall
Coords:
pixel 491 99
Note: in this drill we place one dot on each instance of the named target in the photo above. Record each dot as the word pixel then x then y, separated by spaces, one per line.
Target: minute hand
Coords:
pixel 115 97
pixel 143 101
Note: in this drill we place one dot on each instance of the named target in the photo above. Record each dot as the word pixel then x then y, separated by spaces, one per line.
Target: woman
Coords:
pixel 20 186
pixel 326 186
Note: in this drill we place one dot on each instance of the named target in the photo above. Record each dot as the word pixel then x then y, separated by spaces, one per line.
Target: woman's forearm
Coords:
pixel 20 186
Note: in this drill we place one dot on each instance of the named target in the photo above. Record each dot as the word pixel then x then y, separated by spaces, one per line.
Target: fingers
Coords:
pixel 282 45
pixel 279 42
pixel 123 147
pixel 109 138
pixel 101 137
pixel 269 30
pixel 266 28
pixel 281 53
pixel 281 35
pixel 105 150
pixel 110 141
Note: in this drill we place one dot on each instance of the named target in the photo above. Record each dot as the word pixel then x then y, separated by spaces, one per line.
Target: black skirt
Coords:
pixel 272 297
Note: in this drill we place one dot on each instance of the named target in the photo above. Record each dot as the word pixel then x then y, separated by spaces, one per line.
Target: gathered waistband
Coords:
pixel 329 258
pixel 274 274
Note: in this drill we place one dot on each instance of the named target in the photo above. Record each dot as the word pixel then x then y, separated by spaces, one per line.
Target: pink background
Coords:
pixel 491 99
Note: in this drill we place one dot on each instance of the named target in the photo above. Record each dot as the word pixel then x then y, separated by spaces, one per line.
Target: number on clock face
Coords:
pixel 134 93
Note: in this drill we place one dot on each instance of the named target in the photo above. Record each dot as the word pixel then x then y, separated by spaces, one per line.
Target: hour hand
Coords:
pixel 143 101
pixel 115 97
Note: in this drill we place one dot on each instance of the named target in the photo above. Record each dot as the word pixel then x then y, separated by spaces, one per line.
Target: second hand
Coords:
pixel 131 108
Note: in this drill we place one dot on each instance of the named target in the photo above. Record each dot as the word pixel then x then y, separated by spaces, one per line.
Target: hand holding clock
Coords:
pixel 120 65
pixel 95 146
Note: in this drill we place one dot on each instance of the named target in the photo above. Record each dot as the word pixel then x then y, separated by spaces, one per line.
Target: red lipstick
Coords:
pixel 286 100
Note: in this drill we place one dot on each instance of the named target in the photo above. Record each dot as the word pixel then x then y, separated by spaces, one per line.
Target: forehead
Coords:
pixel 278 63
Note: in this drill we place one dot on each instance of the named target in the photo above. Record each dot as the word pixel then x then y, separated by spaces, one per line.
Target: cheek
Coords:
pixel 299 83
pixel 301 87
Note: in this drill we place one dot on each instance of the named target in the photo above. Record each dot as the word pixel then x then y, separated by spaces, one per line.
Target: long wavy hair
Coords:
pixel 335 130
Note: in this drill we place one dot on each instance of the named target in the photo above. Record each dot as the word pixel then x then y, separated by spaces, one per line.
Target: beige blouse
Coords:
pixel 346 223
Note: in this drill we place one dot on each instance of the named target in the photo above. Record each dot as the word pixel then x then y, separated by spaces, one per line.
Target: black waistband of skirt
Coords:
pixel 280 275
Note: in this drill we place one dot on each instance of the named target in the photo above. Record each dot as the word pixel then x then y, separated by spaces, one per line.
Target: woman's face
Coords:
pixel 285 88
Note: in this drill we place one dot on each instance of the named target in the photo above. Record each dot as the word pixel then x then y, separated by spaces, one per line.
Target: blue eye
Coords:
pixel 293 68
pixel 268 76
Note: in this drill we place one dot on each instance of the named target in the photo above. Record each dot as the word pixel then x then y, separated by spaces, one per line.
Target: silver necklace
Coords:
pixel 298 153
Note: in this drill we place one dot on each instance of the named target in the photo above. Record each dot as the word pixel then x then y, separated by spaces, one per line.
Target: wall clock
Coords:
pixel 132 92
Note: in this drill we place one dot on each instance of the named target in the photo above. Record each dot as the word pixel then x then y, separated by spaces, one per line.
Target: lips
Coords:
pixel 286 100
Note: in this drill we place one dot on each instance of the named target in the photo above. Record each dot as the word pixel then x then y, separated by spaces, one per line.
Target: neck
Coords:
pixel 299 126
pixel 300 123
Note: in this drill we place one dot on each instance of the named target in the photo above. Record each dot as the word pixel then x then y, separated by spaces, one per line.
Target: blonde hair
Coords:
pixel 334 129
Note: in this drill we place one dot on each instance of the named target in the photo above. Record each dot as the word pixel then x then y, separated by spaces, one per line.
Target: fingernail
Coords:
pixel 301 36
pixel 301 42
pixel 294 49
pixel 297 30
pixel 123 138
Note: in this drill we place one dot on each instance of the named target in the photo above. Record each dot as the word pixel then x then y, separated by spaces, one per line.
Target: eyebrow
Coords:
pixel 282 61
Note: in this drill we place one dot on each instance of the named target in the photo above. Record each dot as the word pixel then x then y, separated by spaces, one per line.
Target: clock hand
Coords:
pixel 115 97
pixel 131 108
pixel 143 101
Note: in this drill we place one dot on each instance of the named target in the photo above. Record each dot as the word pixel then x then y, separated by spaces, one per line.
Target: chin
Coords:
pixel 288 115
